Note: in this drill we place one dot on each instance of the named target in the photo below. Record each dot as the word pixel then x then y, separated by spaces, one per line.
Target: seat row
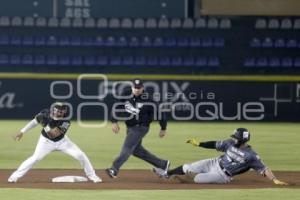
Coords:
pixel 68 60
pixel 274 23
pixel 111 41
pixel 272 62
pixel 274 42
pixel 213 23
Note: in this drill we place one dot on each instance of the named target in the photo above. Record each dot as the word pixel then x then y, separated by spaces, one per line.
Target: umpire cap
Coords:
pixel 137 83
pixel 242 135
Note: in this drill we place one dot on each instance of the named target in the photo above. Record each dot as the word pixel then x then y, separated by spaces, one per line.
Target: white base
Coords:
pixel 69 179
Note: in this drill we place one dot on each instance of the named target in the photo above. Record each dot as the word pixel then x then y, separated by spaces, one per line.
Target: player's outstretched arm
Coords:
pixel 197 143
pixel 269 174
pixel 30 125
pixel 18 136
pixel 115 127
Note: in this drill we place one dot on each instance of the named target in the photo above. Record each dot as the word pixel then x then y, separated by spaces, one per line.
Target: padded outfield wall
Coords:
pixel 201 98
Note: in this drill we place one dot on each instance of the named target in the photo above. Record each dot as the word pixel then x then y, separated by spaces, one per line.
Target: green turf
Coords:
pixel 276 143
pixel 274 194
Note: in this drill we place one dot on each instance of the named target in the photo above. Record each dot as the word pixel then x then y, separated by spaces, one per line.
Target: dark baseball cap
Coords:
pixel 137 83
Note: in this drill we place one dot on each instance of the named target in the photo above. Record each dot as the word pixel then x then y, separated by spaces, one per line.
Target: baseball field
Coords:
pixel 276 143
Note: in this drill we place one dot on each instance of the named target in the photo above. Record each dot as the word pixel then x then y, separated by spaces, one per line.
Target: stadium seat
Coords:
pixel 15 59
pixel 273 23
pixel 127 61
pixel 225 23
pixel 134 42
pixel 139 23
pixel 297 24
pixel 286 24
pixel 64 41
pixel 89 60
pixel 4 39
pixel 51 41
pixel 279 43
pixel 287 62
pixel 207 42
pixel 27 59
pixel 102 23
pixel 261 23
pixel 201 61
pixel 122 42
pixel 39 60
pixel 219 42
pixel 212 23
pixel 16 21
pixel 151 23
pixel 164 61
pixel 126 23
pixel 188 61
pixel 274 62
pixel 146 41
pixel 176 23
pixel 101 60
pixel 183 42
pixel 158 42
pixel 15 40
pixel 64 60
pixel 51 60
pixel 291 43
pixel 65 23
pixel 76 60
pixel 87 41
pixel 200 23
pixel 170 42
pixel 255 42
pixel 41 22
pixel 115 61
pixel 176 61
pixel 89 23
pixel 75 41
pixel 195 42
pixel 267 43
pixel 188 23
pixel 27 40
pixel 249 62
pixel 4 59
pixel 152 61
pixel 140 61
pixel 297 62
pixel 77 22
pixel 163 23
pixel 262 62
pixel 28 21
pixel 114 23
pixel 4 21
pixel 99 41
pixel 213 61
pixel 53 22
pixel 39 41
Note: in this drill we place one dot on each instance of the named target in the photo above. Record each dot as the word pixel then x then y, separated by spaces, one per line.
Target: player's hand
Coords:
pixel 193 142
pixel 55 132
pixel 162 133
pixel 18 136
pixel 115 127
pixel 278 182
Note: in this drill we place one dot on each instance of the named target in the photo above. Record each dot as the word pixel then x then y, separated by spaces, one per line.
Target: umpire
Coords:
pixel 139 112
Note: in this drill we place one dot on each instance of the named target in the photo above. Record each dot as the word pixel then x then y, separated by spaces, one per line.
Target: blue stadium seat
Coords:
pixel 15 59
pixel 4 59
pixel 249 62
pixel 27 59
pixel 39 60
pixel 164 61
pixel 15 40
pixel 213 61
pixel 76 60
pixel 134 42
pixel 64 60
pixel 207 42
pixel 255 42
pixel 75 41
pixel 152 61
pixel 279 43
pixel 146 42
pixel 115 61
pixel 195 42
pixel 291 43
pixel 183 42
pixel 28 40
pixel 140 61
pixel 64 41
pixel 51 60
pixel 87 41
pixel 189 61
pixel 287 62
pixel 4 40
pixel 297 62
pixel 128 61
pixel 110 41
pixel 219 42
pixel 262 62
pixel 51 41
pixel 267 43
pixel 201 61
pixel 102 60
pixel 158 42
pixel 274 62
pixel 170 42
pixel 89 60
pixel 39 41
pixel 176 61
pixel 122 42
pixel 99 41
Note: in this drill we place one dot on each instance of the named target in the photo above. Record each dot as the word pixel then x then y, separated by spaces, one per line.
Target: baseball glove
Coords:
pixel 54 132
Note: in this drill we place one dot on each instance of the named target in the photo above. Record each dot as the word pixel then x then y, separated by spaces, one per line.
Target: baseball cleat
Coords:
pixel 95 179
pixel 167 166
pixel 160 172
pixel 111 173
pixel 12 179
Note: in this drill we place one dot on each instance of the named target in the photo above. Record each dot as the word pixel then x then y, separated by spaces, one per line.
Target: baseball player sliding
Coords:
pixel 238 158
pixel 53 138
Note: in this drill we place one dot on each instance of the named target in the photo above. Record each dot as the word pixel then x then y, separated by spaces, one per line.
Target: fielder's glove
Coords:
pixel 278 182
pixel 52 132
pixel 193 142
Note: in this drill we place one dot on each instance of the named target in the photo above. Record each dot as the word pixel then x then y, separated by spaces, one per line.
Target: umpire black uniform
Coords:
pixel 139 111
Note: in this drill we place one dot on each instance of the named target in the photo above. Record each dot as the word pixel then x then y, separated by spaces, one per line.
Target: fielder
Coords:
pixel 238 158
pixel 53 138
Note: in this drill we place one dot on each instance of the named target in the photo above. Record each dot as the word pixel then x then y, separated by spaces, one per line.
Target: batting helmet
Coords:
pixel 242 135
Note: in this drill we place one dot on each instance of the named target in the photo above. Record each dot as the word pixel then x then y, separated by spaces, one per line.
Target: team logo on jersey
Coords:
pixel 245 135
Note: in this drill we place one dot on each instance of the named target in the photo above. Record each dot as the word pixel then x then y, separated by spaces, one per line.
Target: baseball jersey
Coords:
pixel 44 118
pixel 238 160
pixel 139 110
